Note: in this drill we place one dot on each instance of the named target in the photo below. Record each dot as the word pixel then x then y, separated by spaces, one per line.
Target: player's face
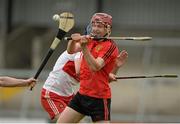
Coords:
pixel 98 29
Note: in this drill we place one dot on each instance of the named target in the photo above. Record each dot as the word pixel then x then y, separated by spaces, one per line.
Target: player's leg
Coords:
pixel 53 103
pixel 69 115
pixel 101 110
pixel 74 112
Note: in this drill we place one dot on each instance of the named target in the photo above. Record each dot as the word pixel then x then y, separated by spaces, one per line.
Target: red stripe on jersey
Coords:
pixel 109 52
pixel 106 112
pixel 107 55
pixel 69 68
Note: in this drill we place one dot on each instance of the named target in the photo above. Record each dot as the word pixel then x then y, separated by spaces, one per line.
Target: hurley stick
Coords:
pixel 153 76
pixel 66 23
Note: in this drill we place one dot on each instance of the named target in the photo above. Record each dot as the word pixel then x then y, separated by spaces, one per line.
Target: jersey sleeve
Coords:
pixel 78 55
pixel 109 52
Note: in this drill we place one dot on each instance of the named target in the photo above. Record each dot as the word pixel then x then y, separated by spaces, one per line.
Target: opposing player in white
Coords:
pixel 58 88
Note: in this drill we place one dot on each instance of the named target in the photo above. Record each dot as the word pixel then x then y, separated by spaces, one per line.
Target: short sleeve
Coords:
pixel 78 55
pixel 109 52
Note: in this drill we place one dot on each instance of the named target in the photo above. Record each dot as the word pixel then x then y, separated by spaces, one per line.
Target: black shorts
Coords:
pixel 98 109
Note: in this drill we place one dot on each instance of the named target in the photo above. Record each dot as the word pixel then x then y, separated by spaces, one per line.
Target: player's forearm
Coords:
pixel 77 63
pixel 71 47
pixel 92 63
pixel 115 69
pixel 11 82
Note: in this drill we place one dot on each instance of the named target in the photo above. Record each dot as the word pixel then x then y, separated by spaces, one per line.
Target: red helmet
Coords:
pixel 102 17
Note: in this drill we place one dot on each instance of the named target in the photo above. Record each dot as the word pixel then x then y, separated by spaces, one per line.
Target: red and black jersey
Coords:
pixel 96 83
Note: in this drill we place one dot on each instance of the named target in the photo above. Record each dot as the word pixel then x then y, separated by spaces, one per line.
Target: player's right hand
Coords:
pixel 76 37
pixel 31 82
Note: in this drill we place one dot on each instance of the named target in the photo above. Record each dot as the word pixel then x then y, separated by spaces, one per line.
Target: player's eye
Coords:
pixel 98 24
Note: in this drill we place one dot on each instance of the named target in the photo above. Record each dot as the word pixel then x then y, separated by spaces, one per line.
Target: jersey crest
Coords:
pixel 98 48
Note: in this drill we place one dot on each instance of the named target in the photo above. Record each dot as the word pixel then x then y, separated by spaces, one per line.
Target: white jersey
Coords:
pixel 62 78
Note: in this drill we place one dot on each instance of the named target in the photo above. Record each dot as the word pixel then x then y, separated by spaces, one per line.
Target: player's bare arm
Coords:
pixel 77 63
pixel 94 63
pixel 74 44
pixel 14 82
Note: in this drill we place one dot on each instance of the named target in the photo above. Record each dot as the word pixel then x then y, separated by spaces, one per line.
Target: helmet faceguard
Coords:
pixel 105 19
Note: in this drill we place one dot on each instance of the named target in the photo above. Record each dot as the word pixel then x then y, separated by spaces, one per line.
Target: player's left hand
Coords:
pixel 84 40
pixel 121 58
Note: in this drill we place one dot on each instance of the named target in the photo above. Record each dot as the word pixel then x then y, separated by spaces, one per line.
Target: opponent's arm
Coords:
pixel 77 63
pixel 14 82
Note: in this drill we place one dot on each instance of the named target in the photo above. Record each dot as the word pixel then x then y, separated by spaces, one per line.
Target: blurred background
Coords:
pixel 27 30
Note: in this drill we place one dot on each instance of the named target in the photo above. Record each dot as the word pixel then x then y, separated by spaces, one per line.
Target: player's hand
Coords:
pixel 121 58
pixel 84 40
pixel 31 82
pixel 76 37
pixel 112 77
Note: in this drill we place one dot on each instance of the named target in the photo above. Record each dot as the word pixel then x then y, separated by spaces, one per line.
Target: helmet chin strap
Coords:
pixel 108 29
pixel 108 32
pixel 105 35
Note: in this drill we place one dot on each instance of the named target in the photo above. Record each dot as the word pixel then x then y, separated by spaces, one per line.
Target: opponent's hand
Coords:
pixel 31 82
